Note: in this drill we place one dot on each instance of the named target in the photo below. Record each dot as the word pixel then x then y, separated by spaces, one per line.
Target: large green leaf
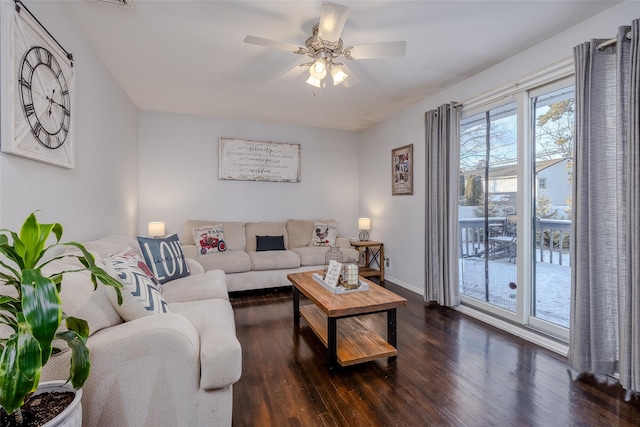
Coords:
pixel 76 338
pixel 11 251
pixel 29 238
pixel 20 366
pixel 42 308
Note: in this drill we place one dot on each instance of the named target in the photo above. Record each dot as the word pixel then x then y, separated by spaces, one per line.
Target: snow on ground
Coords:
pixel 552 286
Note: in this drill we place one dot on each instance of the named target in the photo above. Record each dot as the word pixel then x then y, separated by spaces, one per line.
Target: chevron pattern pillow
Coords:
pixel 141 291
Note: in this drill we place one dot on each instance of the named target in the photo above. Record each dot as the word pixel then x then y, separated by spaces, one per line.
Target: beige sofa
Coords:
pixel 170 369
pixel 248 269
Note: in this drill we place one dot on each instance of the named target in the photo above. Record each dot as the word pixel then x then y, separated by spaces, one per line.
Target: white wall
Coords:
pixel 99 196
pixel 398 221
pixel 179 174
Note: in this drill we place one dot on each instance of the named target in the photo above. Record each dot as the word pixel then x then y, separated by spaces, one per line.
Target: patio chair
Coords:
pixel 503 239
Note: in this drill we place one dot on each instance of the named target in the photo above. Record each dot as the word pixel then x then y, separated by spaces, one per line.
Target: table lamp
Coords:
pixel 364 225
pixel 155 229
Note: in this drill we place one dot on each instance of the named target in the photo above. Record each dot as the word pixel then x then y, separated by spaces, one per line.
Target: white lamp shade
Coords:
pixel 318 69
pixel 314 82
pixel 156 229
pixel 338 75
pixel 364 223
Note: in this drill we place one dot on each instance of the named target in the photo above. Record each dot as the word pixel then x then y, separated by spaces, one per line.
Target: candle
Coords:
pixel 352 274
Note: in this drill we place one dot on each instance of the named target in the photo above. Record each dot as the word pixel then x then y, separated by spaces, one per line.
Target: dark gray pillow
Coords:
pixel 164 256
pixel 270 243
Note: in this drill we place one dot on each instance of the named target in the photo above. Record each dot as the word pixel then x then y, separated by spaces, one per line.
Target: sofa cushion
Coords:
pixel 220 351
pixel 209 239
pixel 324 234
pixel 300 230
pixel 270 243
pixel 228 261
pixel 264 229
pixel 111 245
pixel 164 256
pixel 315 255
pixel 140 293
pixel 274 260
pixel 79 298
pixel 196 287
pixel 234 233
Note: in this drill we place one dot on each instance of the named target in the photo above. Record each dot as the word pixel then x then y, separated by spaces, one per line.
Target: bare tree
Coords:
pixel 555 131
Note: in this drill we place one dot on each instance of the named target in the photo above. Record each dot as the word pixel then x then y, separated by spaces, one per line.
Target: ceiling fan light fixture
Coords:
pixel 318 69
pixel 314 82
pixel 338 75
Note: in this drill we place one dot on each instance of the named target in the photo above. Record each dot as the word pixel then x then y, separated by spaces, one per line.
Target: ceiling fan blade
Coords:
pixel 352 78
pixel 289 47
pixel 376 50
pixel 294 72
pixel 332 19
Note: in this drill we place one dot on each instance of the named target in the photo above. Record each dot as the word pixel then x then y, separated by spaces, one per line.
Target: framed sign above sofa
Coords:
pixel 246 160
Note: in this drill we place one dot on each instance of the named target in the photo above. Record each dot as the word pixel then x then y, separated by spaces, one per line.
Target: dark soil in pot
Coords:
pixel 38 410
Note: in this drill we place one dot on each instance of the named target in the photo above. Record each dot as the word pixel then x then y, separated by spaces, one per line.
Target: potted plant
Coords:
pixel 32 313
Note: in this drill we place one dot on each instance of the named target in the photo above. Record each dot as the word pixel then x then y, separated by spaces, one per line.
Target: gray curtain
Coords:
pixel 605 288
pixel 441 205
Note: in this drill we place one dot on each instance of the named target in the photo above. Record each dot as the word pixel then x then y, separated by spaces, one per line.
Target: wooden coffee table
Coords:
pixel 353 342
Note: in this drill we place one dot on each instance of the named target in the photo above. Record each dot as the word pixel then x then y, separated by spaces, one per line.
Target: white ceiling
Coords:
pixel 189 57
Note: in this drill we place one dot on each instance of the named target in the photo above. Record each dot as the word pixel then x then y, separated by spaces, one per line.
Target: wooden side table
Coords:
pixel 373 258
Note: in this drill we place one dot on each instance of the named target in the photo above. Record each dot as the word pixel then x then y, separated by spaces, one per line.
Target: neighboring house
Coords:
pixel 552 181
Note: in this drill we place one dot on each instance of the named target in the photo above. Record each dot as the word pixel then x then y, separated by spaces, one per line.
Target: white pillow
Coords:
pixel 324 234
pixel 141 290
pixel 209 238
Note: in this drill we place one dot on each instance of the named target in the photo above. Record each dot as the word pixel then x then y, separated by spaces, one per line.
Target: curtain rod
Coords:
pixel 612 41
pixel 19 5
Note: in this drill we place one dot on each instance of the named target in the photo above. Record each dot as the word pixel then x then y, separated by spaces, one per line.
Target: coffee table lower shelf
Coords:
pixel 355 342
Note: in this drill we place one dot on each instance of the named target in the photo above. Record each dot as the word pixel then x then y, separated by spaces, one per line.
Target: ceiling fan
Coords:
pixel 325 48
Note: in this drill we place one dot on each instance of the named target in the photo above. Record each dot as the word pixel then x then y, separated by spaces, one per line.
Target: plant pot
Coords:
pixel 72 415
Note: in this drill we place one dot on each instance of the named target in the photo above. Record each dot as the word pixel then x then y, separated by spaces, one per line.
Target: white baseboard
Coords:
pixel 519 331
pixel 405 285
pixel 524 333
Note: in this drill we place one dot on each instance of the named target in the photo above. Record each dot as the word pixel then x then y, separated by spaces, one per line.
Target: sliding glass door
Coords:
pixel 552 108
pixel 489 189
pixel 515 207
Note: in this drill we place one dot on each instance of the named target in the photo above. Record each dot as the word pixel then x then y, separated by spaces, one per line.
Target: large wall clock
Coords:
pixel 38 88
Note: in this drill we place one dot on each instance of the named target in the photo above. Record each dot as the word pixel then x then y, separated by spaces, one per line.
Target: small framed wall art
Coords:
pixel 37 93
pixel 402 170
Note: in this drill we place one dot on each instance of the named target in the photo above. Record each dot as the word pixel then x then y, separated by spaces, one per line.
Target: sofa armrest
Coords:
pixel 144 372
pixel 220 351
pixel 161 336
pixel 194 266
pixel 343 242
pixel 190 251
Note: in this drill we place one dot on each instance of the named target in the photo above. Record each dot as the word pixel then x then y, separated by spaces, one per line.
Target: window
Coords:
pixel 542 183
pixel 515 201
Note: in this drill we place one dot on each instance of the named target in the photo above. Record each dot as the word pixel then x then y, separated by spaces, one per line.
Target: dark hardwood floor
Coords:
pixel 451 370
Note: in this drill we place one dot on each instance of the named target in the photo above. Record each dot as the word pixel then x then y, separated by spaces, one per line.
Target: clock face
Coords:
pixel 44 97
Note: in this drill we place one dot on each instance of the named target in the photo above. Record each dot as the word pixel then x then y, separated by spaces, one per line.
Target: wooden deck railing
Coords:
pixel 552 238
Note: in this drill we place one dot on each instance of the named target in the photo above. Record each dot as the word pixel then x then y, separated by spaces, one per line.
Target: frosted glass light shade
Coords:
pixel 318 69
pixel 155 229
pixel 338 75
pixel 314 82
